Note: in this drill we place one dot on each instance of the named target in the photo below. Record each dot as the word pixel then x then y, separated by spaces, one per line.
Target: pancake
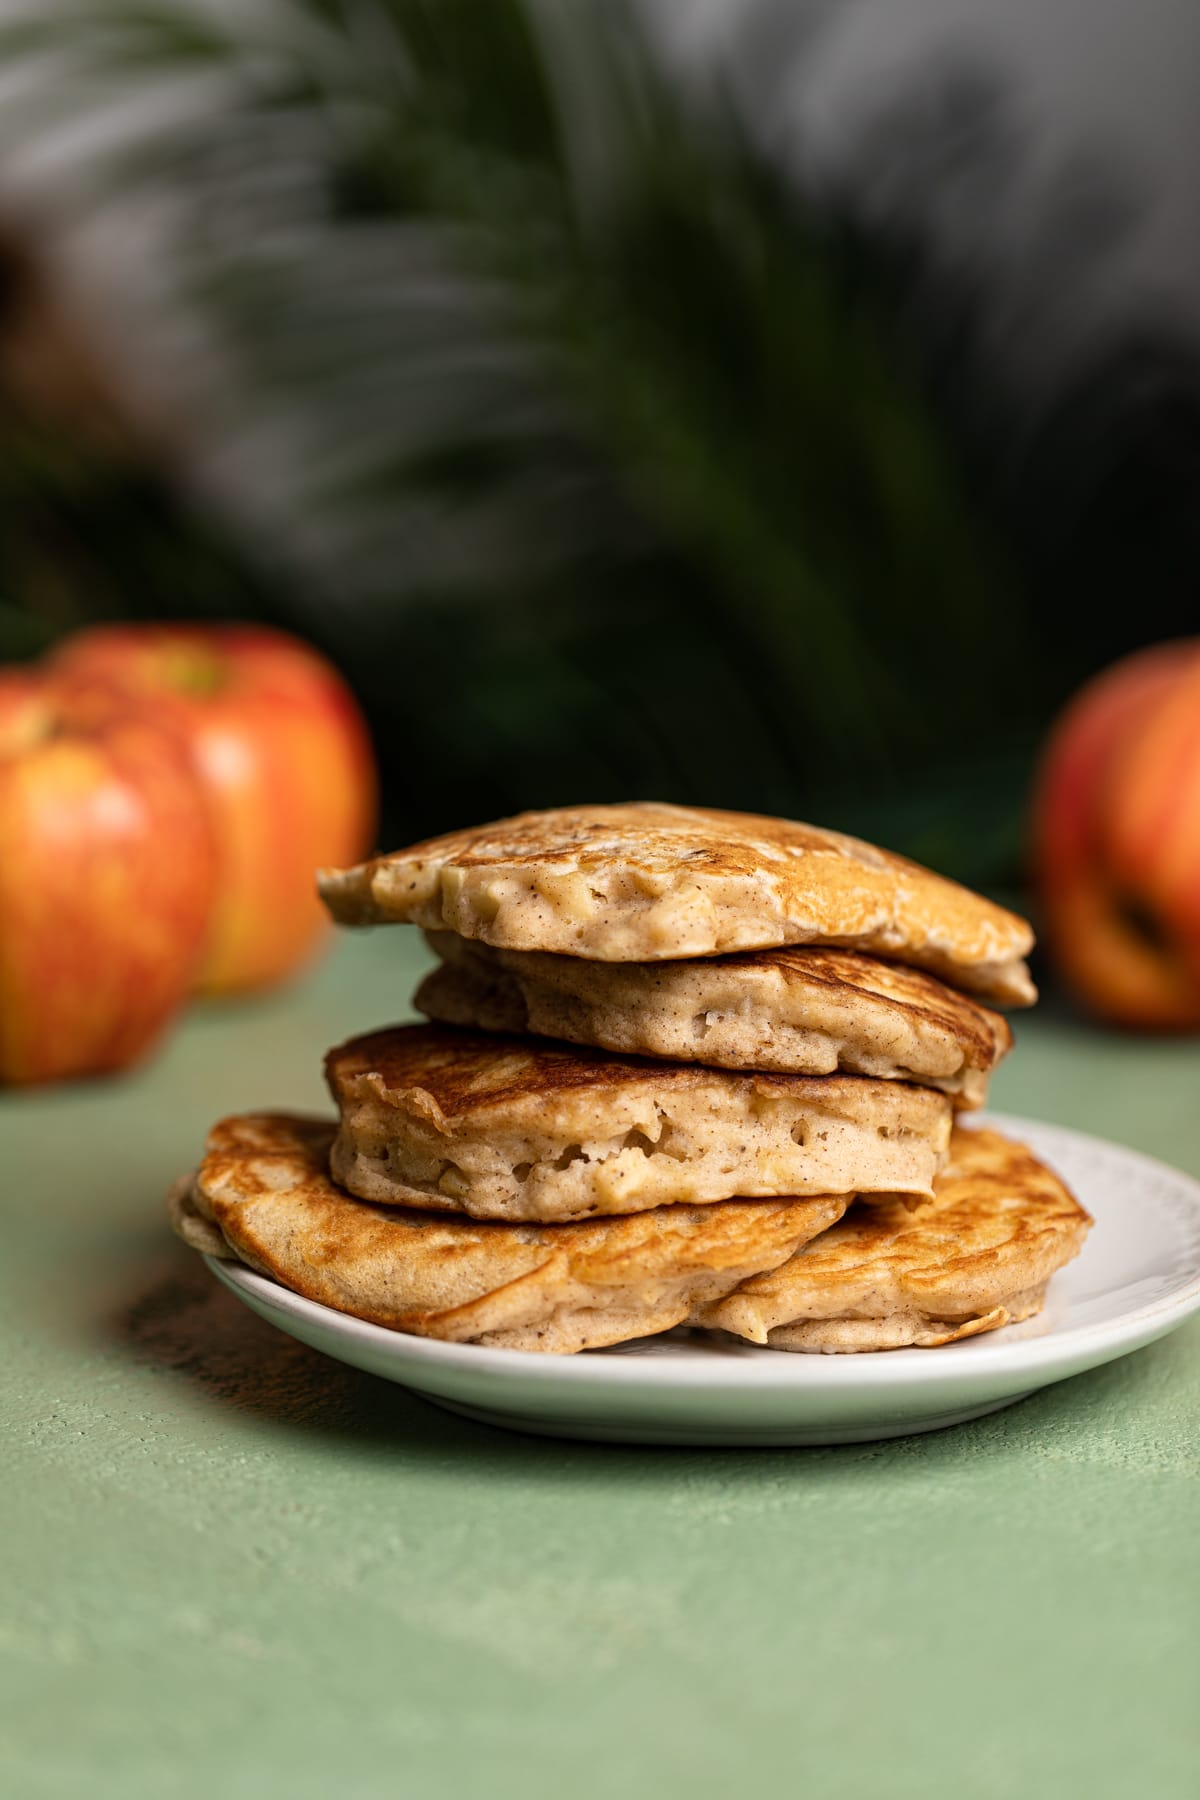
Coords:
pixel 646 882
pixel 264 1196
pixel 514 1128
pixel 809 1011
pixel 976 1257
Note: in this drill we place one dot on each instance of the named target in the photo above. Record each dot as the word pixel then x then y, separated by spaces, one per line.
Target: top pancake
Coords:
pixel 645 882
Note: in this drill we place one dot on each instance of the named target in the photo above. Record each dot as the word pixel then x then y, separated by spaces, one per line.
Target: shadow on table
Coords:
pixel 184 1324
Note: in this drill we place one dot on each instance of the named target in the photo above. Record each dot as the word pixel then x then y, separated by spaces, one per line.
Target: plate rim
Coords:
pixel 768 1370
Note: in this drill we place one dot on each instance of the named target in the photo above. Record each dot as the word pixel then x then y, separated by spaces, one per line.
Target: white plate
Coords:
pixel 1137 1277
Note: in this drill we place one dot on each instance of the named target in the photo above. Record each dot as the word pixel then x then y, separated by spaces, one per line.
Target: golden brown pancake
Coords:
pixel 975 1257
pixel 517 1128
pixel 807 1011
pixel 646 882
pixel 263 1195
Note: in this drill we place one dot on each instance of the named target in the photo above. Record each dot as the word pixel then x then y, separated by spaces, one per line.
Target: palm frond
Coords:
pixel 529 330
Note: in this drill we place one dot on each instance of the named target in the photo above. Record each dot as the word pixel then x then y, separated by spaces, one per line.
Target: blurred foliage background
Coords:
pixel 610 446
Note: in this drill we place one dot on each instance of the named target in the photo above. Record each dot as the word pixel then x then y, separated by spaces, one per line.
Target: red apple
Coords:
pixel 107 876
pixel 286 761
pixel 1117 840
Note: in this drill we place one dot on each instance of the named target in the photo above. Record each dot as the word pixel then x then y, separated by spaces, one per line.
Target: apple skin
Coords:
pixel 286 761
pixel 108 872
pixel 1116 841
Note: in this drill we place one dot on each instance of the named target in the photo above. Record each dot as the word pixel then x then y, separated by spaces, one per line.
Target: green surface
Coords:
pixel 234 1568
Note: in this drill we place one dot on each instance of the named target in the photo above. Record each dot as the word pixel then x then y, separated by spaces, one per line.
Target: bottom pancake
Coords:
pixel 263 1195
pixel 891 1275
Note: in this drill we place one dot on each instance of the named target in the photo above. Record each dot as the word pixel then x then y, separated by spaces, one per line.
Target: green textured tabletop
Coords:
pixel 234 1568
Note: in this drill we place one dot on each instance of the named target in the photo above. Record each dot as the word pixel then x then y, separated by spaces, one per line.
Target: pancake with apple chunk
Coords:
pixel 263 1195
pixel 520 1128
pixel 806 1011
pixel 646 882
pixel 976 1257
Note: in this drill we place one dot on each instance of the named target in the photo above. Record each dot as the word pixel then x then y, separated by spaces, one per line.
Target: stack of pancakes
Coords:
pixel 684 1066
